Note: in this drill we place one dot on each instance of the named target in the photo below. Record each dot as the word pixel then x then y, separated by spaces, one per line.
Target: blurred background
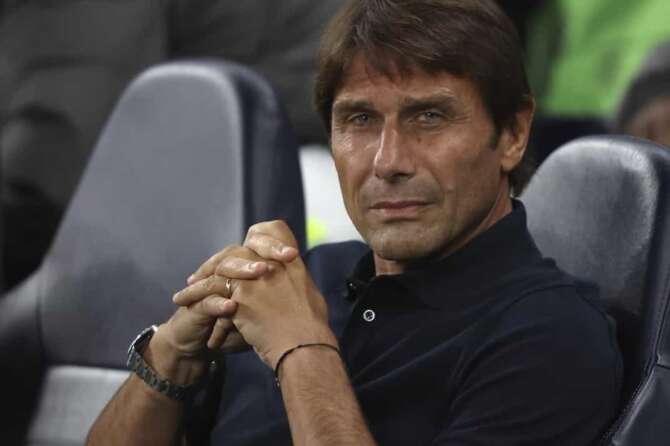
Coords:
pixel 596 66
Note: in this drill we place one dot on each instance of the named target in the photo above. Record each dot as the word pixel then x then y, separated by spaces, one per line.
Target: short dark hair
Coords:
pixel 473 39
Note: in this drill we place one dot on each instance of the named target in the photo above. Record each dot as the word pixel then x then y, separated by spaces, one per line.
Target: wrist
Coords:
pixel 321 336
pixel 305 358
pixel 172 364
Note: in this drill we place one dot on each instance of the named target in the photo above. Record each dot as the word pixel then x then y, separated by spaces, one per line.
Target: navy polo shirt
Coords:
pixel 493 345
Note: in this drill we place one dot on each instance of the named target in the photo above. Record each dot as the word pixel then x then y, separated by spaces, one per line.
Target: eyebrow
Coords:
pixel 446 102
pixel 346 106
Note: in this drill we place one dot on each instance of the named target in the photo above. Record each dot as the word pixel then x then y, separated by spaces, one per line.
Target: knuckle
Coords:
pixel 277 227
pixel 210 303
pixel 215 256
pixel 226 262
pixel 210 283
pixel 247 254
pixel 254 229
pixel 237 263
pixel 231 252
pixel 221 267
pixel 279 224
pixel 220 270
pixel 226 251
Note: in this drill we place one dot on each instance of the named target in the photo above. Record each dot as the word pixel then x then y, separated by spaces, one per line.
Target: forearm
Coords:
pixel 321 405
pixel 177 352
pixel 140 415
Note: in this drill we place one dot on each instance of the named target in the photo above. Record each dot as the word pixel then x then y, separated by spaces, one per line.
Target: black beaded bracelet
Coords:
pixel 291 350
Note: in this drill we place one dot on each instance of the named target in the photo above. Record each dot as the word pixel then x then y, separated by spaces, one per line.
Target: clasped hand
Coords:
pixel 259 295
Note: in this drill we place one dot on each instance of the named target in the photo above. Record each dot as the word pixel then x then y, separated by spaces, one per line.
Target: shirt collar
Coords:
pixel 453 282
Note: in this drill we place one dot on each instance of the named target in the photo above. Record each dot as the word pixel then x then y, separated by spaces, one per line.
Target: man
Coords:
pixel 454 329
pixel 644 111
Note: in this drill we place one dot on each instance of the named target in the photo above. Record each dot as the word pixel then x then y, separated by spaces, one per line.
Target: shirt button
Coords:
pixel 369 315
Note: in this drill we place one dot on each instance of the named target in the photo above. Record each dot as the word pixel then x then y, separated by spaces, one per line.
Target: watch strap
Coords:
pixel 137 365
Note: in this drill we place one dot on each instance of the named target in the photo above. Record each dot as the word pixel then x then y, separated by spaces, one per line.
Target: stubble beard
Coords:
pixel 405 242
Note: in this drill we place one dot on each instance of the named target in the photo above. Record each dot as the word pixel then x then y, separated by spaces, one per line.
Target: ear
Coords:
pixel 514 138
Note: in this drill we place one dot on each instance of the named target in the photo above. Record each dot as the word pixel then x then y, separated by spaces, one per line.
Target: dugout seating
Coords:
pixel 551 132
pixel 193 153
pixel 600 206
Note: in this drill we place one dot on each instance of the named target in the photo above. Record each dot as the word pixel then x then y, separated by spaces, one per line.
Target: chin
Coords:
pixel 404 244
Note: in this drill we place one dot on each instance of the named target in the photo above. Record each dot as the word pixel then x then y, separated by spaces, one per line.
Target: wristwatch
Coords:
pixel 137 365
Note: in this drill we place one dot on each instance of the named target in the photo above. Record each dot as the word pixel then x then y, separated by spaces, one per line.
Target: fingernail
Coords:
pixel 286 250
pixel 175 296
pixel 254 266
pixel 190 278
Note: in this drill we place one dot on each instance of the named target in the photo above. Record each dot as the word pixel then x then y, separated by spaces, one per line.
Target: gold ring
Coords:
pixel 229 288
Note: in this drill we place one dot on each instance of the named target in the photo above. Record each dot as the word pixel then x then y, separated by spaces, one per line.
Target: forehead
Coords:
pixel 361 81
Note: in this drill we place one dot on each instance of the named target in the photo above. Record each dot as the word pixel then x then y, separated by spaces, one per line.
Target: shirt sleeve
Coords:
pixel 549 374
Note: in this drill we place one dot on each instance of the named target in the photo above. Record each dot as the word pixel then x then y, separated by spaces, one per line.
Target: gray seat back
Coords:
pixel 193 154
pixel 601 207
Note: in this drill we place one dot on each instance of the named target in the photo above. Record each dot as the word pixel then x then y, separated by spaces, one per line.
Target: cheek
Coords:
pixel 353 161
pixel 449 166
pixel 348 175
pixel 464 167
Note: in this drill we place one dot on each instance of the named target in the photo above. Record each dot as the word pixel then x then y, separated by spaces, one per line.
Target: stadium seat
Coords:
pixel 600 206
pixel 193 153
pixel 551 132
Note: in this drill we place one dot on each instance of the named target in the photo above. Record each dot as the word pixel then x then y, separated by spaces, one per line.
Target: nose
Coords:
pixel 393 160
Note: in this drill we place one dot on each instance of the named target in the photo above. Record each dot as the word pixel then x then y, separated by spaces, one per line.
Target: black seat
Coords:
pixel 601 207
pixel 550 132
pixel 193 154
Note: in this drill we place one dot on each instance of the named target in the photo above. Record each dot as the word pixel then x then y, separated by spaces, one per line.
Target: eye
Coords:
pixel 429 117
pixel 360 119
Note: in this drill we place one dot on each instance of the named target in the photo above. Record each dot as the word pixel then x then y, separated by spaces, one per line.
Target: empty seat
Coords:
pixel 601 207
pixel 193 154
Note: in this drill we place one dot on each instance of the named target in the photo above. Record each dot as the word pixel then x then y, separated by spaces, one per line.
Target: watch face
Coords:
pixel 144 335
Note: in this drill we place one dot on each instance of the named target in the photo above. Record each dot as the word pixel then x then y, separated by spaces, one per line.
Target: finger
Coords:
pixel 234 342
pixel 241 268
pixel 213 284
pixel 214 306
pixel 270 248
pixel 277 230
pixel 208 267
pixel 225 338
pixel 219 333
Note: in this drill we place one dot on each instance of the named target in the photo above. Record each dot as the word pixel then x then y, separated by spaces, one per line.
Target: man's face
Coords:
pixel 416 161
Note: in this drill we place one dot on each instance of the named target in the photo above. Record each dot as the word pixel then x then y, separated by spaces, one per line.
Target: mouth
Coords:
pixel 399 209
